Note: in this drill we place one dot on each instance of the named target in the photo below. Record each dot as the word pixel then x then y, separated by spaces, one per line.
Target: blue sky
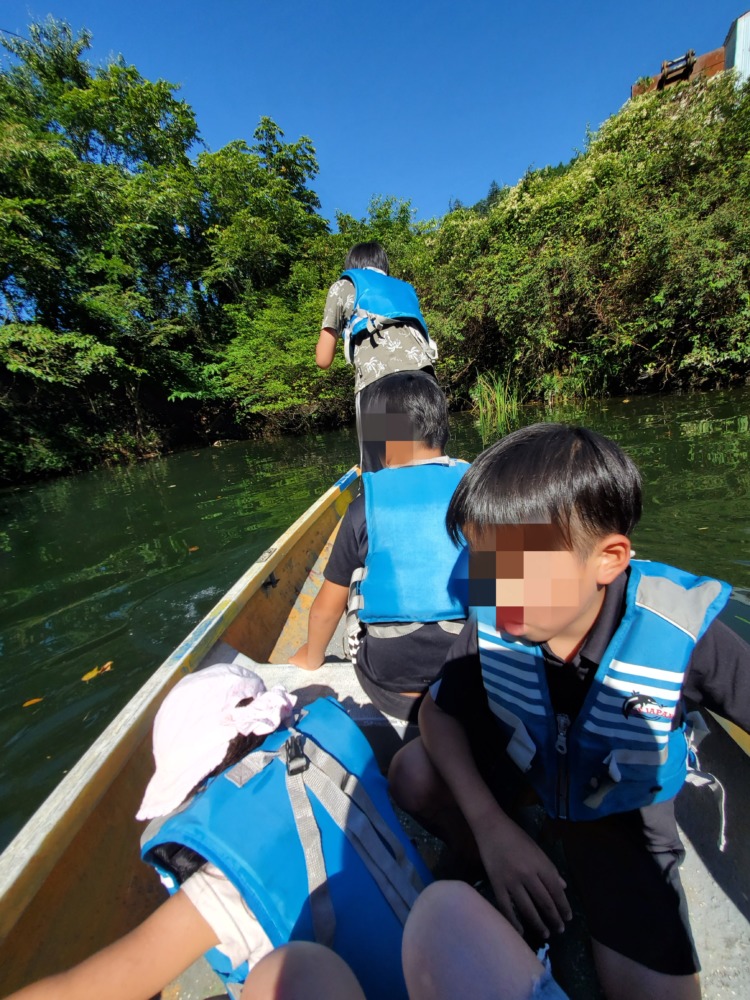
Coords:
pixel 426 101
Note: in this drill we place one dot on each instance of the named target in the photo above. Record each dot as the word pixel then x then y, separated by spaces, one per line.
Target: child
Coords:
pixel 207 722
pixel 383 330
pixel 577 663
pixel 410 600
pixel 210 720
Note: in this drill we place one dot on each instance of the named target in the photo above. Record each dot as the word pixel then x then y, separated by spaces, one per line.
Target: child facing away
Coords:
pixel 406 596
pixel 383 331
pixel 577 662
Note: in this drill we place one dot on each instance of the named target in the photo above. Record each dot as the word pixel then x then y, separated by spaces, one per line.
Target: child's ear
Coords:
pixel 613 557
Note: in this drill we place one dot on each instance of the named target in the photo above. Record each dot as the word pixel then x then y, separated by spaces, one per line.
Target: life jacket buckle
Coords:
pixel 296 761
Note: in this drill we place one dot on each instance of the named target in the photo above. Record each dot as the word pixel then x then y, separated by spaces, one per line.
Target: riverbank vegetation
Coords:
pixel 155 294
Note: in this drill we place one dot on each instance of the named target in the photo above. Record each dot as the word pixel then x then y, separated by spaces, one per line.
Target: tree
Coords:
pixel 122 256
pixel 258 213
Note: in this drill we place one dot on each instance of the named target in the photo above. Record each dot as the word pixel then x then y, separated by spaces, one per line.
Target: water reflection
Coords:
pixel 118 565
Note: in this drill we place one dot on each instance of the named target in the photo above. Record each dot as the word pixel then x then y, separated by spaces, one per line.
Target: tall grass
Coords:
pixel 497 403
pixel 557 387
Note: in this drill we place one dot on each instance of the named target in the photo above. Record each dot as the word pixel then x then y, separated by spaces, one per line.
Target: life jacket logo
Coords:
pixel 643 704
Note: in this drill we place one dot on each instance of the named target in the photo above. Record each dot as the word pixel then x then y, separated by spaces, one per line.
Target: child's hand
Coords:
pixel 529 889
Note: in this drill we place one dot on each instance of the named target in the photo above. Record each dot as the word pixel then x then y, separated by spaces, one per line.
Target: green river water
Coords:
pixel 119 564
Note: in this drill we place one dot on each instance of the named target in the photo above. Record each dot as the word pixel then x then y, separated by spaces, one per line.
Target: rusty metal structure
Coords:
pixel 733 54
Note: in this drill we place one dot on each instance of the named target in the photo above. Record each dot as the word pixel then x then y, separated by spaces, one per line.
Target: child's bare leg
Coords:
pixel 302 971
pixel 415 784
pixel 622 979
pixel 419 790
pixel 456 945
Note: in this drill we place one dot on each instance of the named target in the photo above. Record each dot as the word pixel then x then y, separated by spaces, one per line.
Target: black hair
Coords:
pixel 414 396
pixel 237 748
pixel 367 255
pixel 571 477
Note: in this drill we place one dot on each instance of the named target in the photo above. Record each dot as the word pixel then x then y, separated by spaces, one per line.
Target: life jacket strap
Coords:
pixel 311 769
pixel 704 779
pixel 399 629
pixel 351 808
pixel 695 731
pixel 323 916
pixel 354 627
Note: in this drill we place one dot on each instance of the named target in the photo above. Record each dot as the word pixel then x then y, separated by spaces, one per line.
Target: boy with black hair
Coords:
pixel 577 663
pixel 382 327
pixel 393 563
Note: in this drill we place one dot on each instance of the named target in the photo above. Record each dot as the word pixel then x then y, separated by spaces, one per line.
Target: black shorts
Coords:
pixel 400 706
pixel 624 868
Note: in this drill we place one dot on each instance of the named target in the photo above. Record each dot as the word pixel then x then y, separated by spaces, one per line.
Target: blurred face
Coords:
pixel 541 591
pixel 395 435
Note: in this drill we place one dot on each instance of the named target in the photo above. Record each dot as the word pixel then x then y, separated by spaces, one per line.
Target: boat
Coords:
pixel 72 880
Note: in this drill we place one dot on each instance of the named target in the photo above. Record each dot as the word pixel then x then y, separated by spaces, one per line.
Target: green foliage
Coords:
pixel 120 255
pixel 270 366
pixel 258 213
pixel 154 293
pixel 627 269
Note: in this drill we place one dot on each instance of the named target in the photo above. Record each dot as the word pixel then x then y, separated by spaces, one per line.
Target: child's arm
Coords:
pixel 325 614
pixel 325 349
pixel 529 889
pixel 718 676
pixel 137 966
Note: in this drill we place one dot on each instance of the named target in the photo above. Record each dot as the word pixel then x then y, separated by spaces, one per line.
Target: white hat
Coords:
pixel 196 723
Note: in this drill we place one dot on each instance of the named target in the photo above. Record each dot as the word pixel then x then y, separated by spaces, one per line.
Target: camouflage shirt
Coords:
pixel 393 349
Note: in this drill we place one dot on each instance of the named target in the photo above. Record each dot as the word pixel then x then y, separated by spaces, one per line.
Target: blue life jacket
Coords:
pixel 314 789
pixel 380 301
pixel 627 747
pixel 413 572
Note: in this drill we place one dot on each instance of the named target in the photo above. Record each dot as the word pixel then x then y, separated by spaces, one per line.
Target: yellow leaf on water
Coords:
pixel 32 701
pixel 97 670
pixel 193 548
